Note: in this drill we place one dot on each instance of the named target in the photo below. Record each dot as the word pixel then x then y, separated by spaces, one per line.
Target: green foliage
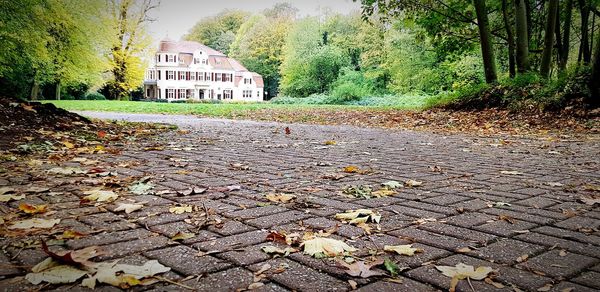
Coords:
pixel 95 96
pixel 219 31
pixel 351 86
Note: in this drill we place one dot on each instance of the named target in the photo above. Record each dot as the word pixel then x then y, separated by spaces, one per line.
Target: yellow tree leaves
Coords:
pixel 462 271
pixel 405 249
pixel 100 195
pixel 326 247
pixel 34 223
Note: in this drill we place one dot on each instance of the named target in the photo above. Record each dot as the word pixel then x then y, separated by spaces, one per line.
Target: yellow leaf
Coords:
pixel 7 198
pixel 358 216
pixel 181 209
pixel 351 169
pixel 383 193
pixel 182 236
pixel 32 209
pixel 34 223
pixel 413 183
pixel 68 144
pixel 330 142
pixel 128 208
pixel 72 234
pixel 326 246
pixel 282 198
pixel 405 249
pixel 100 195
pixel 462 271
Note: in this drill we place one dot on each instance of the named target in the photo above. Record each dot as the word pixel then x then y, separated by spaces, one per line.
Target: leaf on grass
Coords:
pixel 280 198
pixel 361 269
pixel 511 172
pixel 392 184
pixel 32 209
pixel 405 249
pixel 8 198
pixel 181 209
pixel 462 271
pixel 183 236
pixel 128 208
pixel 100 195
pixel 359 216
pixel 326 247
pixel 413 183
pixel 34 223
pixel 61 274
pixel 269 249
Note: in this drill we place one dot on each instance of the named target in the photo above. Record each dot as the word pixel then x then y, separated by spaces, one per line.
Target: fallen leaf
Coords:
pixel 141 188
pixel 498 204
pixel 463 250
pixel 68 144
pixel 361 269
pixel 287 130
pixel 493 283
pixel 8 198
pixel 507 218
pixel 391 267
pixel 101 134
pixel 462 271
pixel 383 193
pixel 326 247
pixel 405 249
pixel 392 184
pixel 5 190
pixel 32 209
pixel 330 142
pixel 511 172
pixel 100 195
pixel 562 253
pixel 413 183
pixel 269 249
pixel 34 223
pixel 66 170
pixel 181 209
pixel 120 274
pixel 590 200
pixel 73 257
pixel 128 208
pixel 72 234
pixel 255 285
pixel 522 258
pixel 351 169
pixel 183 236
pixel 359 216
pixel 546 288
pixel 192 191
pixel 61 274
pixel 280 198
pixel 360 191
pixel 353 284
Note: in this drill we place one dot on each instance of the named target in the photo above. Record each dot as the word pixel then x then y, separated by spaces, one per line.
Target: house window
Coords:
pixel 170 75
pixel 170 93
pixel 227 94
pixel 247 93
pixel 187 76
pixel 181 75
pixel 258 94
pixel 218 77
pixel 158 74
pixel 182 94
pixel 196 60
pixel 208 75
pixel 170 58
pixel 200 76
pixel 247 80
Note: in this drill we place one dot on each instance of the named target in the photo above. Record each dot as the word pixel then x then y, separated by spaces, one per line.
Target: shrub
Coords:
pixel 94 96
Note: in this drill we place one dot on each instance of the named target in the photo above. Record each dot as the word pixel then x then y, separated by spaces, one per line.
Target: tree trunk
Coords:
pixel 35 90
pixel 522 36
pixel 584 48
pixel 57 94
pixel 594 84
pixel 489 62
pixel 549 38
pixel 510 39
pixel 564 57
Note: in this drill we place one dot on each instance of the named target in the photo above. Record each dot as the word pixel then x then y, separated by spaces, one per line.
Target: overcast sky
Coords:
pixel 175 17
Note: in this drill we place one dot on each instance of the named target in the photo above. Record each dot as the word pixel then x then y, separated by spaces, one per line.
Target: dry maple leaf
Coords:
pixel 122 275
pixel 462 271
pixel 34 223
pixel 280 198
pixel 128 208
pixel 59 274
pixel 74 257
pixel 100 195
pixel 351 169
pixel 361 269
pixel 383 193
pixel 405 249
pixel 327 247
pixel 359 216
pixel 32 209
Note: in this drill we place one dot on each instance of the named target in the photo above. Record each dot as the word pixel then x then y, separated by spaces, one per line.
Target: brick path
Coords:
pixel 545 220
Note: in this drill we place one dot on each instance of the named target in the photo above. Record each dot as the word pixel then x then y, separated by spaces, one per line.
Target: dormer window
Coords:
pixel 196 60
pixel 170 58
pixel 247 80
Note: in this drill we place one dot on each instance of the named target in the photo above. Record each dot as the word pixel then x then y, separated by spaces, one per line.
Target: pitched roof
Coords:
pixel 188 47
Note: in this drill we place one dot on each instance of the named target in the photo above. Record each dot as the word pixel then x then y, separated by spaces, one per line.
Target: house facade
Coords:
pixel 190 70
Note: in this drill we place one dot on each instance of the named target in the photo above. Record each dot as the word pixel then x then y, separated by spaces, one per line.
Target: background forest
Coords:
pixel 481 53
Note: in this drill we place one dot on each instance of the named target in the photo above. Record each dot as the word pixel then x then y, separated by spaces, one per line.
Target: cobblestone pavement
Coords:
pixel 543 235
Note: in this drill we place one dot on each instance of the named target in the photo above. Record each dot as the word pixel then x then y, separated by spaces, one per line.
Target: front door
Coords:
pixel 201 93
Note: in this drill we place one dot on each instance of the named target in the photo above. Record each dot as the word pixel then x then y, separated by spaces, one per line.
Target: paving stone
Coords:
pixel 134 246
pixel 107 221
pixel 550 241
pixel 537 202
pixel 105 238
pixel 234 241
pixel 565 286
pixel 504 228
pixel 562 267
pixel 301 278
pixel 463 233
pixel 507 251
pixel 579 222
pixel 412 212
pixel 406 285
pixel 590 279
pixel 8 268
pixel 186 261
pixel 567 234
pixel 234 279
pixel 278 219
pixel 230 227
pixel 431 238
pixel 248 255
pixel 469 219
pixel 252 213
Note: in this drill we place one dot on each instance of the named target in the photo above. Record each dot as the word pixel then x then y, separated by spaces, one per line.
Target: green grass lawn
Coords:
pixel 204 109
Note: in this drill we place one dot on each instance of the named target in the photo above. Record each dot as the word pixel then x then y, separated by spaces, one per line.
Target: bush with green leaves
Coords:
pixel 94 96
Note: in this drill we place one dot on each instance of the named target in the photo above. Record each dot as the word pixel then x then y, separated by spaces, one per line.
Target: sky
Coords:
pixel 174 18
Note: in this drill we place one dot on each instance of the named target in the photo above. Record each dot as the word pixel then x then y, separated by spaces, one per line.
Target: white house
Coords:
pixel 190 70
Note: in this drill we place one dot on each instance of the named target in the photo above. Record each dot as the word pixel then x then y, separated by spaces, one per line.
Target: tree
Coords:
pixel 522 36
pixel 549 38
pixel 510 39
pixel 566 36
pixel 129 19
pixel 594 83
pixel 218 32
pixel 489 62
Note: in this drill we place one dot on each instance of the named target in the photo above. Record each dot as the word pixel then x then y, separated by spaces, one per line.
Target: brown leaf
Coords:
pixel 73 257
pixel 32 209
pixel 361 269
pixel 287 130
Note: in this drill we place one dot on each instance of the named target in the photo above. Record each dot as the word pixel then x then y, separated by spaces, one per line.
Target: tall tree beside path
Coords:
pixel 522 36
pixel 489 62
pixel 549 38
pixel 129 19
